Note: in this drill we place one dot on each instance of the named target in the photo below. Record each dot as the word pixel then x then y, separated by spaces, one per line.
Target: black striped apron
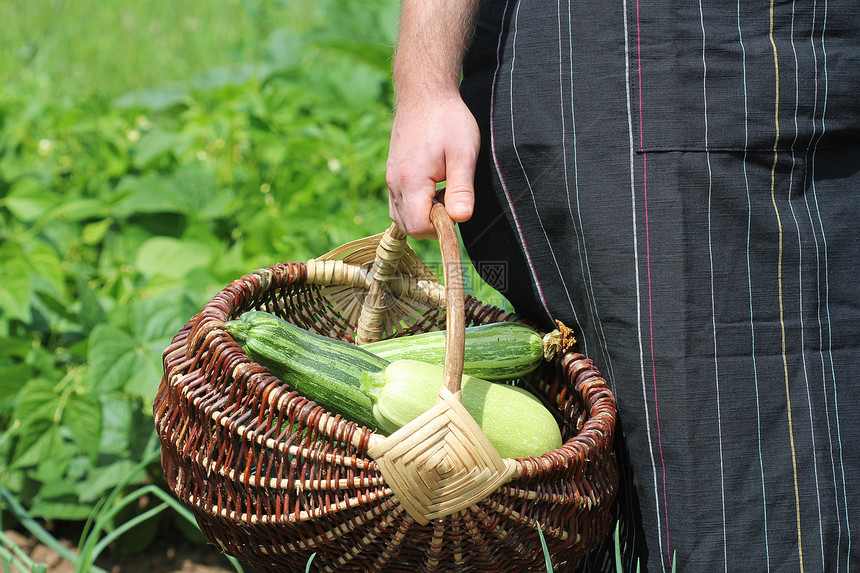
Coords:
pixel 680 183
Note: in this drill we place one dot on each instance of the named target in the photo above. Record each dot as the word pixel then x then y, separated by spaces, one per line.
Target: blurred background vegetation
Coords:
pixel 150 153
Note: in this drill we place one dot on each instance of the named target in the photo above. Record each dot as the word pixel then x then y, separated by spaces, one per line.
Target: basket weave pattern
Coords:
pixel 273 479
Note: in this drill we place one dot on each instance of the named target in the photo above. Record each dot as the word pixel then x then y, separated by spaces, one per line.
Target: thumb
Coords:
pixel 460 193
pixel 459 202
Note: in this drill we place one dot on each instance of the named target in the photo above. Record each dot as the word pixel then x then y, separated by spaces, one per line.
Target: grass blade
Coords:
pixel 130 524
pixel 546 556
pixel 38 531
pixel 8 559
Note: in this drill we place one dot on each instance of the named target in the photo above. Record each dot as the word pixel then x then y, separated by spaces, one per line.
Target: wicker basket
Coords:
pixel 273 479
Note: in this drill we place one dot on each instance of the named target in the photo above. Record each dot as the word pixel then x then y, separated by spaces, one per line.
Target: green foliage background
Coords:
pixel 150 153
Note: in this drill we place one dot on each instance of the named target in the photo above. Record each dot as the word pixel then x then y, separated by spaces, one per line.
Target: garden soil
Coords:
pixel 163 556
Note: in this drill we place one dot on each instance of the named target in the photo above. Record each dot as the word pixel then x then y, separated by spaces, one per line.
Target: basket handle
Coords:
pixel 441 462
pixel 455 315
pixel 388 253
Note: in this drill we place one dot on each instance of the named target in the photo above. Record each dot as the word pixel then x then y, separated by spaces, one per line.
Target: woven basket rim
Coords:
pixel 602 413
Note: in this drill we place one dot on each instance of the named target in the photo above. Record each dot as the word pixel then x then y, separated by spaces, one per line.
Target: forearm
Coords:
pixel 434 36
pixel 434 137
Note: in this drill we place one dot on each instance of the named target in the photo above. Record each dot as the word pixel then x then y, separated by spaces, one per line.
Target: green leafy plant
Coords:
pixel 129 197
pixel 120 217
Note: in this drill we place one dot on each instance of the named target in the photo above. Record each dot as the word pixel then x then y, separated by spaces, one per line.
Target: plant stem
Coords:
pixel 38 531
pixel 546 556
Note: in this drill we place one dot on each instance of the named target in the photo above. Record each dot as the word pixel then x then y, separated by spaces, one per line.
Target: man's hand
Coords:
pixel 434 137
pixel 433 140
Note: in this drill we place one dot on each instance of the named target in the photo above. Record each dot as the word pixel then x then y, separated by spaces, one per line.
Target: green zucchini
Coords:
pixel 325 370
pixel 496 351
pixel 365 388
pixel 514 420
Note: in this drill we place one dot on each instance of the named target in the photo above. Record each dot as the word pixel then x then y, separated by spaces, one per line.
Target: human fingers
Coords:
pixel 409 201
pixel 460 184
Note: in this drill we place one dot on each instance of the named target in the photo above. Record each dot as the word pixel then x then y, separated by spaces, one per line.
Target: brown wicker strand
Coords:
pixel 478 543
pixel 356 550
pixel 391 549
pixel 435 547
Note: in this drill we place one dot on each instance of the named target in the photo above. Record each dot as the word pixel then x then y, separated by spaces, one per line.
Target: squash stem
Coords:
pixel 558 341
pixel 238 329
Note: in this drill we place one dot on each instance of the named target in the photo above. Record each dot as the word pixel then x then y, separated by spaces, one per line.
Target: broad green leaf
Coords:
pixel 43 359
pixel 15 480
pixel 91 311
pixel 57 488
pixel 156 144
pixel 218 78
pixel 113 156
pixel 155 99
pixel 38 400
pixel 80 210
pixel 28 200
pixel 158 319
pixel 58 499
pixel 373 54
pixel 148 194
pixel 131 359
pixel 119 248
pixel 117 424
pixel 65 508
pixel 118 361
pixel 82 416
pixel 285 48
pixel 93 233
pixel 15 288
pixel 105 478
pixel 45 264
pixel 39 440
pixel 15 346
pixel 50 469
pixel 155 224
pixel 50 314
pixel 62 236
pixel 146 384
pixel 196 188
pixel 78 467
pixel 143 432
pixel 360 85
pixel 172 257
pixel 12 378
pixel 36 415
